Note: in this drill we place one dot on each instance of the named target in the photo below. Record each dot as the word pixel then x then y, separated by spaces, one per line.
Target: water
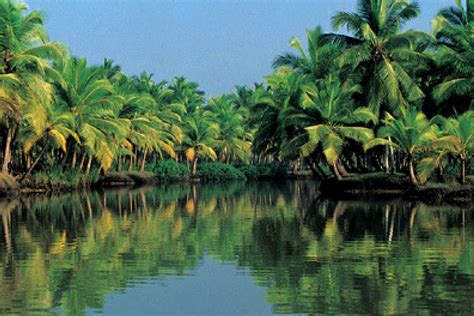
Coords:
pixel 233 249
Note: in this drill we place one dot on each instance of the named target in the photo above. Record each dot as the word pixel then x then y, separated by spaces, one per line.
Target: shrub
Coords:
pixel 7 184
pixel 58 178
pixel 273 170
pixel 170 170
pixel 219 171
pixel 250 171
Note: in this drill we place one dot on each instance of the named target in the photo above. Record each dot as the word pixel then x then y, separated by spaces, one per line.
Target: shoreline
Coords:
pixel 387 186
pixel 372 186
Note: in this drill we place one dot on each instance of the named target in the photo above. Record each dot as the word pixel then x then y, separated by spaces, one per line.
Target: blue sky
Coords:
pixel 219 44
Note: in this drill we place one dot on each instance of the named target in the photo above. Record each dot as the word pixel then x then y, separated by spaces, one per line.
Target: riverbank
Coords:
pixel 388 186
pixel 45 182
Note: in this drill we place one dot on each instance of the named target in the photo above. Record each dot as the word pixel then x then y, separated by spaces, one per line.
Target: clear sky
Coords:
pixel 219 44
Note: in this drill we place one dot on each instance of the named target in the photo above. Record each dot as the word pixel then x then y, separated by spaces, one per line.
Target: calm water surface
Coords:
pixel 233 249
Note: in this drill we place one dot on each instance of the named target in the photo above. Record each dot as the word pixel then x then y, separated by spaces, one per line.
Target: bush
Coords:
pixel 170 170
pixel 219 171
pixel 250 171
pixel 8 184
pixel 273 170
pixel 57 178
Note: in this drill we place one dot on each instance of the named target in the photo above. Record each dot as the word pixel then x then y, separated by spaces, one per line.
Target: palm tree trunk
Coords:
pixel 142 166
pixel 83 159
pixel 119 163
pixel 130 166
pixel 89 164
pixel 74 158
pixel 463 170
pixel 7 154
pixel 336 171
pixel 341 169
pixel 136 158
pixel 411 169
pixel 195 160
pixel 27 174
pixel 392 157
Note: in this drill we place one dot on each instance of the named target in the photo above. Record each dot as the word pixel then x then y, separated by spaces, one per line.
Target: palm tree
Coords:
pixel 454 30
pixel 234 139
pixel 271 108
pixel 147 133
pixel 412 133
pixel 25 52
pixel 330 108
pixel 317 61
pixel 377 51
pixel 57 128
pixel 200 137
pixel 95 105
pixel 457 138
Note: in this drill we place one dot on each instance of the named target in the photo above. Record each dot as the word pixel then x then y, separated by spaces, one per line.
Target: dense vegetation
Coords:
pixel 376 98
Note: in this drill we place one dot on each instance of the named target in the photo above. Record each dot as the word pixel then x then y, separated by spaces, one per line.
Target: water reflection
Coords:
pixel 67 253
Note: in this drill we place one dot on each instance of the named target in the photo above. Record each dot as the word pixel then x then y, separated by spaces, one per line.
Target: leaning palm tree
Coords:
pixel 200 138
pixel 457 138
pixel 56 130
pixel 23 68
pixel 454 30
pixel 330 107
pixel 94 104
pixel 378 50
pixel 412 133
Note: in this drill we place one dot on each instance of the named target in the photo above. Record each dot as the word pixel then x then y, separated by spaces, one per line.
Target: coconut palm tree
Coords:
pixel 272 107
pixel 200 139
pixel 330 108
pixel 234 140
pixel 25 52
pixel 454 30
pixel 456 138
pixel 95 105
pixel 317 61
pixel 412 133
pixel 56 130
pixel 147 133
pixel 377 51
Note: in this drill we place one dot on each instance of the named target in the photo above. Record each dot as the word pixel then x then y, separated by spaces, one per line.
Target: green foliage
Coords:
pixel 218 171
pixel 56 178
pixel 170 170
pixel 273 170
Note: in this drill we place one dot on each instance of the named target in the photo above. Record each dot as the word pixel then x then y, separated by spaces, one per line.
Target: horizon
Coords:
pixel 218 44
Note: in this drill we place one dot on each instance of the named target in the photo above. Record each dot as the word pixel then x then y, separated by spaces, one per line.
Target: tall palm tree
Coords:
pixel 200 138
pixel 412 133
pixel 454 30
pixel 25 52
pixel 234 139
pixel 147 133
pixel 94 104
pixel 329 107
pixel 317 61
pixel 271 108
pixel 378 50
